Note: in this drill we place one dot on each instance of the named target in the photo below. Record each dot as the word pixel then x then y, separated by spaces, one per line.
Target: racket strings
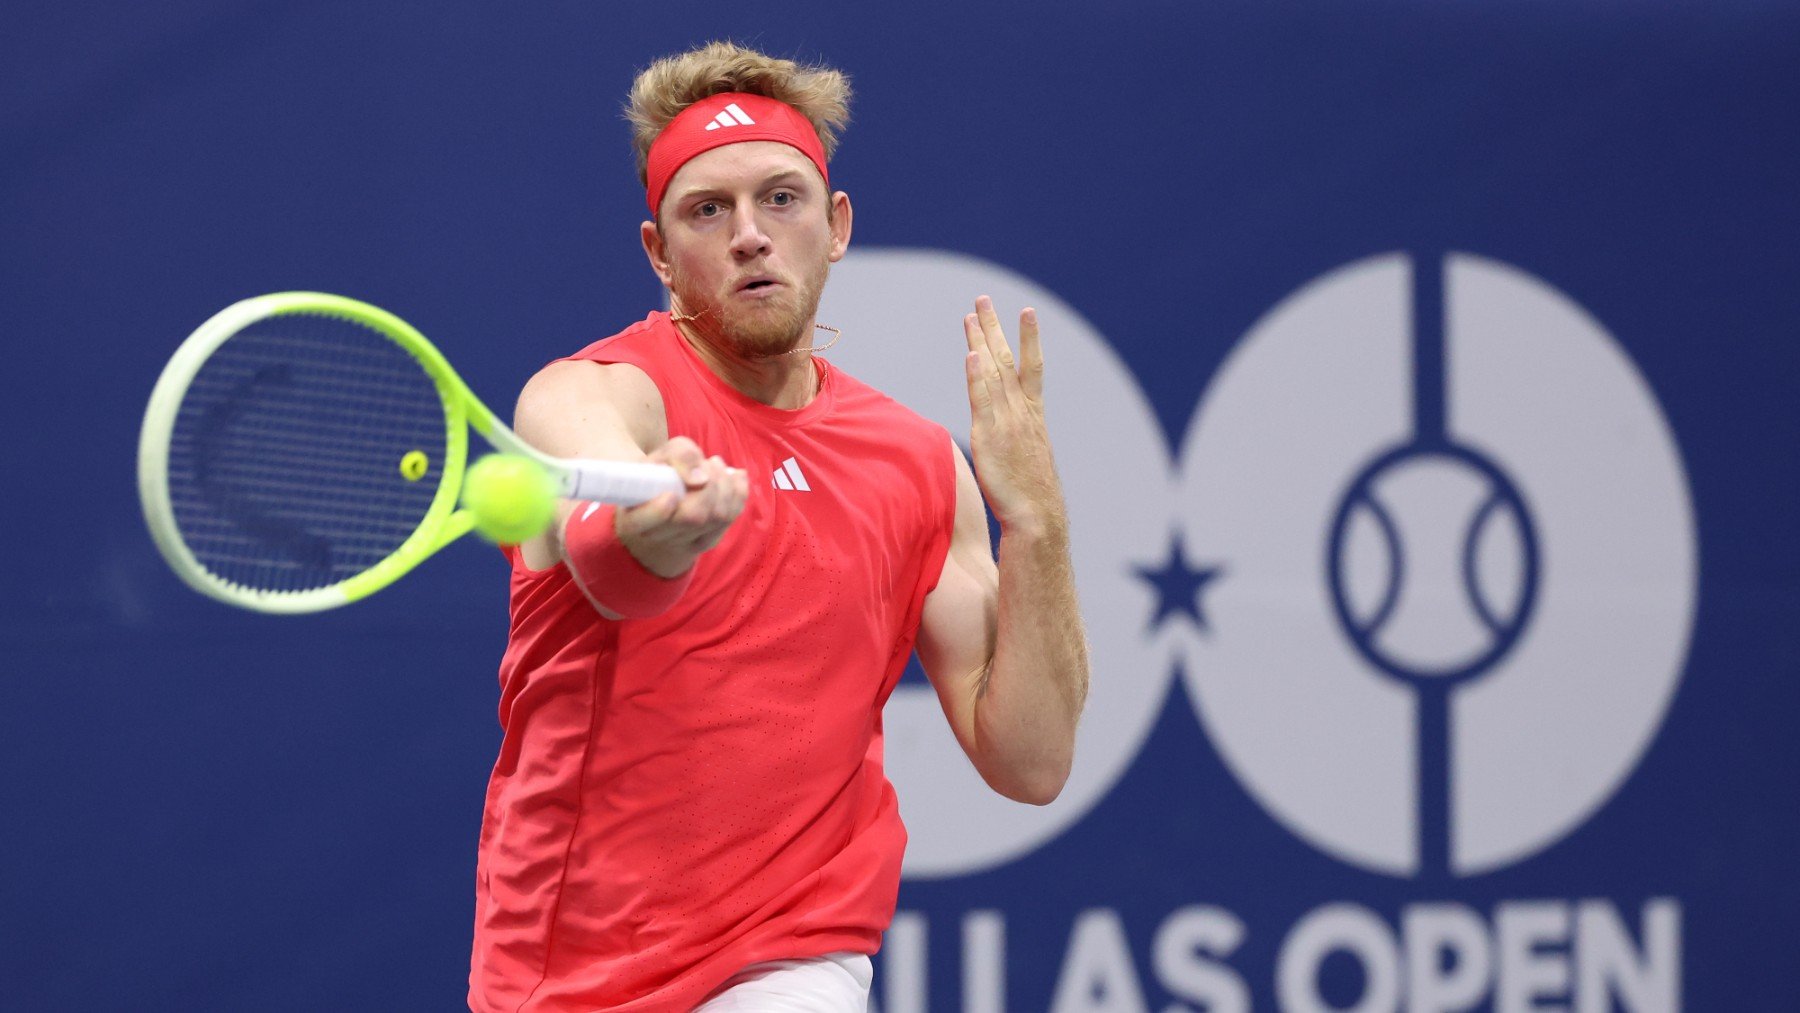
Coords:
pixel 285 460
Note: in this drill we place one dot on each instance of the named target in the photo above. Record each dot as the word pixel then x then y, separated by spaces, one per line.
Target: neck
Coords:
pixel 779 381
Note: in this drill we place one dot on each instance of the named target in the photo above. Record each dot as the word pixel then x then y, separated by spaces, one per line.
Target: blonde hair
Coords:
pixel 673 83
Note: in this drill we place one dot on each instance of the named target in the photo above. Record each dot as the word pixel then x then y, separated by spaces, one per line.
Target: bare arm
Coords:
pixel 1004 644
pixel 615 413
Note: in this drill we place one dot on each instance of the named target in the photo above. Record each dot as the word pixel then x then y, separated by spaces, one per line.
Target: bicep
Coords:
pixel 960 621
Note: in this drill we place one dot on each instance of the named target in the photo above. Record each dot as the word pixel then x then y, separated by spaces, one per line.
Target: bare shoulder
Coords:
pixel 572 382
pixel 577 408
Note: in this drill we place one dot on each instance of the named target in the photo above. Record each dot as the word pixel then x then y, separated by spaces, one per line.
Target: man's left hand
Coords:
pixel 1008 438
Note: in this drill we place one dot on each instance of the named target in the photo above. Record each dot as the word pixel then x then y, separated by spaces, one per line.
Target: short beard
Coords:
pixel 774 327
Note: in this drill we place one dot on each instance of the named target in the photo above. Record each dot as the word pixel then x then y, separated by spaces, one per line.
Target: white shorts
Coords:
pixel 834 983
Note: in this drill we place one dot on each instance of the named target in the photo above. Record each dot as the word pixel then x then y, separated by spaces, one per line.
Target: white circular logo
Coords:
pixel 901 311
pixel 1456 564
pixel 1431 527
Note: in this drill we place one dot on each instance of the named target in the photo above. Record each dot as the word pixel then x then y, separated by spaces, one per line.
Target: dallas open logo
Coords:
pixel 1432 571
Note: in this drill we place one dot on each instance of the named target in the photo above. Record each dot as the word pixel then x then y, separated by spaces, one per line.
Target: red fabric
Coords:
pixel 709 124
pixel 681 796
pixel 612 575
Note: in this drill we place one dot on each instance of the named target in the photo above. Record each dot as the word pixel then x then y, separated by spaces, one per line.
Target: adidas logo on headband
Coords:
pixel 699 128
pixel 732 115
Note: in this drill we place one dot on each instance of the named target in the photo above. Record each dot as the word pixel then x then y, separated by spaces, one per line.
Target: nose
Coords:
pixel 748 240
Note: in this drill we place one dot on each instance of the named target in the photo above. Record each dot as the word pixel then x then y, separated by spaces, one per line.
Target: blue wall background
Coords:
pixel 209 809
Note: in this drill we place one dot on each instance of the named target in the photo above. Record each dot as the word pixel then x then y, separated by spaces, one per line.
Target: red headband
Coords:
pixel 722 119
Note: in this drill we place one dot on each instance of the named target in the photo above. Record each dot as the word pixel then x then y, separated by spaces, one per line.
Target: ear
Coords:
pixel 655 251
pixel 840 225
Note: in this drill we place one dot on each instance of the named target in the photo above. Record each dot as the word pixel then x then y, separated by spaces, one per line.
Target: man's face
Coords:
pixel 746 242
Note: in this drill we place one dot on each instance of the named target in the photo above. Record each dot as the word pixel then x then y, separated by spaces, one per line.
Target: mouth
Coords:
pixel 758 284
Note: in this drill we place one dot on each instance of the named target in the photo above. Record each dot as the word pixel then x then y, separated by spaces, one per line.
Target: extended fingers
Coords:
pixel 979 365
pixel 1031 356
pixel 991 332
pixel 1009 378
pixel 980 401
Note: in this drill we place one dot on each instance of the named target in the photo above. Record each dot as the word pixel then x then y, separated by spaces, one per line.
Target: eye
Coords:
pixel 708 209
pixel 781 198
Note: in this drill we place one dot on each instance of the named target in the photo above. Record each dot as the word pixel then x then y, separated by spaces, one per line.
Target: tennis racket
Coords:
pixel 302 451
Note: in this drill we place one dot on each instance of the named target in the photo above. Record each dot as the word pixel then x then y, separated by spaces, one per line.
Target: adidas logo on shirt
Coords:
pixel 731 116
pixel 788 477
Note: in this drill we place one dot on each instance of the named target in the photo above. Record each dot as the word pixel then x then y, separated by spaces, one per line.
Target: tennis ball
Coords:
pixel 512 497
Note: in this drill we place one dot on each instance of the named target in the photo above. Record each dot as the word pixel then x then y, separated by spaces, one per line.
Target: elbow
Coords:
pixel 1026 757
pixel 1039 793
pixel 1038 784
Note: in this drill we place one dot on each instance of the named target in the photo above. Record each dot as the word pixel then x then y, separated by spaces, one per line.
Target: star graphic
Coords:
pixel 1178 586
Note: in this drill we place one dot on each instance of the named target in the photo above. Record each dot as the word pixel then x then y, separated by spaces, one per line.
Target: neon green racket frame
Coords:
pixel 444 520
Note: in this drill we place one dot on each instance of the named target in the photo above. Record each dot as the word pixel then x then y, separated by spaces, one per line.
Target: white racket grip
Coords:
pixel 619 482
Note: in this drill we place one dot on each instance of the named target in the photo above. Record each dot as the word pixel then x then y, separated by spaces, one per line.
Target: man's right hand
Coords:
pixel 669 533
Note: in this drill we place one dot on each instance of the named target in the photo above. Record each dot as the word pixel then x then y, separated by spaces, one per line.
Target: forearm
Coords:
pixel 1031 696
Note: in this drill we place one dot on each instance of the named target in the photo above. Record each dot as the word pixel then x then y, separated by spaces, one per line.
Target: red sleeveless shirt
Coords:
pixel 679 797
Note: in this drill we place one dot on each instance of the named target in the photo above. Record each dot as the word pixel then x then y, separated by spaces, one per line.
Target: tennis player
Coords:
pixel 689 808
